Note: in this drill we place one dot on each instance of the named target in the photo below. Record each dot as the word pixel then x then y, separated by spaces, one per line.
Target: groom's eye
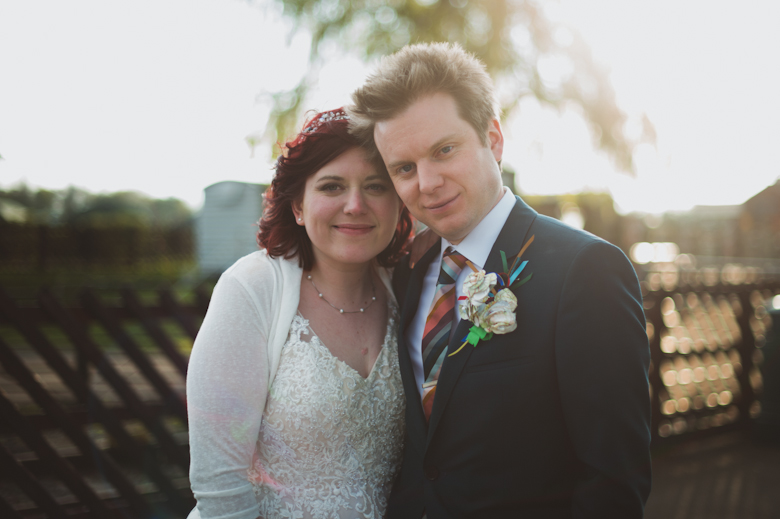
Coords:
pixel 446 149
pixel 406 168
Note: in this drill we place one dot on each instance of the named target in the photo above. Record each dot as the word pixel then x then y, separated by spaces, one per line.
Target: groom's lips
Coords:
pixel 440 207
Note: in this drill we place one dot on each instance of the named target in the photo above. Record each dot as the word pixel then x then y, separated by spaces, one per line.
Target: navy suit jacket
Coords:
pixel 549 421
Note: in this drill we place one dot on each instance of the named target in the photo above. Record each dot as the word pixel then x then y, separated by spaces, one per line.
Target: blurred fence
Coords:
pixel 706 350
pixel 39 248
pixel 93 420
pixel 92 405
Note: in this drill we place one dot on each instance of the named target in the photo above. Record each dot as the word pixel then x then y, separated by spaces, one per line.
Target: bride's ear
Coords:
pixel 298 212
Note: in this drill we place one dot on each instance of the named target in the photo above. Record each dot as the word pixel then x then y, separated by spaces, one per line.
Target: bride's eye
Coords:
pixel 329 188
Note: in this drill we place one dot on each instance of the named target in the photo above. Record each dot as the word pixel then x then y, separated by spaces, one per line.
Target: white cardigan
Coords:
pixel 232 365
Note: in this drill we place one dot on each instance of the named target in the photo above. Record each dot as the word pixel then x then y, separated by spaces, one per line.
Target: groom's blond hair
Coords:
pixel 418 71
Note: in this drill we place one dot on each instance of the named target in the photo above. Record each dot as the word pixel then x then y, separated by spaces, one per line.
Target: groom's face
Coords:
pixel 442 171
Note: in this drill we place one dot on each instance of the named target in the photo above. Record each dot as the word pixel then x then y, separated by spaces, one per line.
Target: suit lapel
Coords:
pixel 510 240
pixel 416 424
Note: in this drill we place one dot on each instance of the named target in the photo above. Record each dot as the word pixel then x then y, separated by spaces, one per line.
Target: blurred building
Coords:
pixel 706 230
pixel 226 226
pixel 592 212
pixel 759 224
pixel 749 230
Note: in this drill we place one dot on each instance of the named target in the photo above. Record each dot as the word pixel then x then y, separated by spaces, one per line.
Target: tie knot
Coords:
pixel 452 263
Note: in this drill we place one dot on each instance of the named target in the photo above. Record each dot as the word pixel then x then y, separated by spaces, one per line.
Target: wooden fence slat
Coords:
pixel 29 485
pixel 154 331
pixel 78 336
pixel 169 396
pixel 82 415
pixel 113 473
pixel 55 361
pixel 67 474
pixel 7 511
pixel 171 305
pixel 35 337
pixel 746 347
pixel 654 317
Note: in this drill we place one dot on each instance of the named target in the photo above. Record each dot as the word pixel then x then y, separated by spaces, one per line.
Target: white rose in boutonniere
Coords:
pixel 506 296
pixel 490 310
pixel 477 286
pixel 500 317
pixel 497 315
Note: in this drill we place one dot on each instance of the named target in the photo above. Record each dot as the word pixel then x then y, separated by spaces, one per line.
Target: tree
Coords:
pixel 526 54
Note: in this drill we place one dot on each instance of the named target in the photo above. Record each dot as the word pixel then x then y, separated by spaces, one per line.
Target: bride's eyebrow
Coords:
pixel 328 178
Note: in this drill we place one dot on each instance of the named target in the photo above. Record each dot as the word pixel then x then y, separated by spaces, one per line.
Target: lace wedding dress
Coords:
pixel 330 441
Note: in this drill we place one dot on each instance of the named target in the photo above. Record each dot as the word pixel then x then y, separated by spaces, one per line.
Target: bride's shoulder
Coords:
pixel 259 271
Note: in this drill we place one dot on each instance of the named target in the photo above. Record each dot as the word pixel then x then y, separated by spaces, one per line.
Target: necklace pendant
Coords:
pixel 341 310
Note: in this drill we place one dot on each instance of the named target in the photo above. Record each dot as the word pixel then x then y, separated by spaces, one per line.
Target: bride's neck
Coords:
pixel 343 282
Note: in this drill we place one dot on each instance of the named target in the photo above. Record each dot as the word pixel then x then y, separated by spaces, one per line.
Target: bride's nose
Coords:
pixel 355 203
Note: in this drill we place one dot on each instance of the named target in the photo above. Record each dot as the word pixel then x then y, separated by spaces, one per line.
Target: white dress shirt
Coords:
pixel 475 247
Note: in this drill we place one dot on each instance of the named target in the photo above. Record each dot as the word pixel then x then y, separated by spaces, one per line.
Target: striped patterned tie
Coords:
pixel 436 335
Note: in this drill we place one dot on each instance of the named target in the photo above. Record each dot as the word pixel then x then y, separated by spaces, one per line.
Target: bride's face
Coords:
pixel 350 210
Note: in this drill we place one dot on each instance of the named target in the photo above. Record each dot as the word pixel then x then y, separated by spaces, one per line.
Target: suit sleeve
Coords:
pixel 602 358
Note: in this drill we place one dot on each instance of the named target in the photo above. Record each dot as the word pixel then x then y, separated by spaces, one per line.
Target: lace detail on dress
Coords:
pixel 331 441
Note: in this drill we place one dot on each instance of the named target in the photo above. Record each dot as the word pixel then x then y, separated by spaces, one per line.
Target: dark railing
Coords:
pixel 706 341
pixel 93 414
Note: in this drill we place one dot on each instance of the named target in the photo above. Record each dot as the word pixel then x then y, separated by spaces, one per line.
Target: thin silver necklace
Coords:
pixel 341 310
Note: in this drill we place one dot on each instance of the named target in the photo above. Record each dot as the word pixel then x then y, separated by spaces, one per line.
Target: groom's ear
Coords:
pixel 495 139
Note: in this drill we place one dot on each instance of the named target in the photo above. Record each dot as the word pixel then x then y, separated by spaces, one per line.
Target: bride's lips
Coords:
pixel 440 207
pixel 354 229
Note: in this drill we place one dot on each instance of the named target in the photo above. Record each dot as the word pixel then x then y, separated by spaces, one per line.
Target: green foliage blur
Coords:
pixel 70 238
pixel 76 207
pixel 525 52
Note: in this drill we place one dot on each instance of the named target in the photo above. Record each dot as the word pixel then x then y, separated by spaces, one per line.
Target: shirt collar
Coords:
pixel 477 244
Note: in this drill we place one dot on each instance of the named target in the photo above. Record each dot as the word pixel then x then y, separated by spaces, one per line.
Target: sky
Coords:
pixel 159 96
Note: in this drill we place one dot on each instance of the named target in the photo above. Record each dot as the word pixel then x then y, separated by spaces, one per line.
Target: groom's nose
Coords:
pixel 429 177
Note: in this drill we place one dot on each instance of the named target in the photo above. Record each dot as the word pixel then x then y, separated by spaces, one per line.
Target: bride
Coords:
pixel 296 408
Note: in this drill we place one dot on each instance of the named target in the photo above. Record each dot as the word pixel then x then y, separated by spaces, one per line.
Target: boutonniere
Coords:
pixel 486 304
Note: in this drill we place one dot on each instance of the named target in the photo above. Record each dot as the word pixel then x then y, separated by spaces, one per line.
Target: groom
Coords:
pixel 550 420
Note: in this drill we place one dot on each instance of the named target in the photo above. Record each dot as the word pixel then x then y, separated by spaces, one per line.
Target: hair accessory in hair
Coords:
pixel 332 115
pixel 319 125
